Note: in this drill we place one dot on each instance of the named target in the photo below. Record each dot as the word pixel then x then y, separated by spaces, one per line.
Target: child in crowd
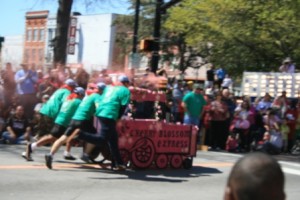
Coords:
pixel 284 129
pixel 232 143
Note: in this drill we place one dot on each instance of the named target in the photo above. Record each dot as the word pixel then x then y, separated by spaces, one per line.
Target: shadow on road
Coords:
pixel 159 175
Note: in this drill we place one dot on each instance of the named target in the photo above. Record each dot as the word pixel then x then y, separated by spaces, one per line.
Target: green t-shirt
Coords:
pixel 113 98
pixel 52 106
pixel 87 107
pixel 194 103
pixel 67 110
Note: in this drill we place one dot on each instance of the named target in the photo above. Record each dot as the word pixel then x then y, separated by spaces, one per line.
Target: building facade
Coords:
pixel 12 51
pixel 91 42
pixel 34 44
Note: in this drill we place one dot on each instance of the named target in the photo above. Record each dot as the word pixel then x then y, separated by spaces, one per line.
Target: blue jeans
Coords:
pixel 6 137
pixel 189 120
pixel 109 134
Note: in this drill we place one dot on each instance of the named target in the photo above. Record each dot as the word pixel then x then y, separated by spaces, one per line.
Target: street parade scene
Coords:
pixel 164 117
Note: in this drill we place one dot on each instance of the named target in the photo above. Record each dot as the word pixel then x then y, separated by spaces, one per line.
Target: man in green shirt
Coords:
pixel 50 109
pixel 111 107
pixel 62 120
pixel 82 119
pixel 193 103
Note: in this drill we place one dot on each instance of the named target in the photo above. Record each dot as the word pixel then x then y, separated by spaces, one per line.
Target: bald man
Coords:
pixel 255 176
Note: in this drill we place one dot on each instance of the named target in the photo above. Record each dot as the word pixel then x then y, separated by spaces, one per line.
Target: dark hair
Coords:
pixel 257 176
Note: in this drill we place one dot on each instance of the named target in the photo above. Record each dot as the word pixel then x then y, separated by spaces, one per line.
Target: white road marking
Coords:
pixel 291 171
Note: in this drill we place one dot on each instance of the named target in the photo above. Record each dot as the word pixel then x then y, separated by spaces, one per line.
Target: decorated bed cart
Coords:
pixel 151 143
pixel 155 143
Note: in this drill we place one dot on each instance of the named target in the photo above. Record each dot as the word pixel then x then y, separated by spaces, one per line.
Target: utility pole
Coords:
pixel 161 8
pixel 156 36
pixel 136 26
pixel 134 55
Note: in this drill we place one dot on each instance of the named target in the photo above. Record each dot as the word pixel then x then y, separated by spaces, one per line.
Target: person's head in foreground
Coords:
pixel 256 176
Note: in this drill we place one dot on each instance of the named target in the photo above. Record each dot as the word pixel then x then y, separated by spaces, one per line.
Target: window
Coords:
pixel 28 35
pixel 42 34
pixel 35 34
pixel 51 35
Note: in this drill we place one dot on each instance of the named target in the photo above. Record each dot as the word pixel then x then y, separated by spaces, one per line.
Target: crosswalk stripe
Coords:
pixel 291 171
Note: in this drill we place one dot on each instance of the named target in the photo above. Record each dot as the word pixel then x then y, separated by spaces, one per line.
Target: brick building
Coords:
pixel 35 37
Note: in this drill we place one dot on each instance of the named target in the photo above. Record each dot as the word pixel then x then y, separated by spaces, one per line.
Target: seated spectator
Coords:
pixel 11 110
pixel 271 144
pixel 37 116
pixel 256 176
pixel 17 129
pixel 272 140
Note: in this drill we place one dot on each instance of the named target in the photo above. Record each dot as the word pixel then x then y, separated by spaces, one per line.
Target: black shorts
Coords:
pixel 85 125
pixel 88 126
pixel 57 130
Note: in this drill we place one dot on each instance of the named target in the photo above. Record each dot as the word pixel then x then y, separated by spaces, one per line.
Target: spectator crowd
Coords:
pixel 226 122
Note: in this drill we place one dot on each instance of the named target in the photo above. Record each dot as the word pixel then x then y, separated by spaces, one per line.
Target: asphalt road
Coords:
pixel 74 180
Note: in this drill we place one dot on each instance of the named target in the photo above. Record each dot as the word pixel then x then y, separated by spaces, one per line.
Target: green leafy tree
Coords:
pixel 252 35
pixel 127 22
pixel 146 29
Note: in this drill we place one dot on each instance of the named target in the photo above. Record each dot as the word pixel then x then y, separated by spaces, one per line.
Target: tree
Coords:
pixel 61 36
pixel 240 34
pixel 62 21
pixel 146 29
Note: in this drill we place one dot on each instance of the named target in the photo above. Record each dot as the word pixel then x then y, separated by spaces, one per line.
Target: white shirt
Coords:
pixel 227 82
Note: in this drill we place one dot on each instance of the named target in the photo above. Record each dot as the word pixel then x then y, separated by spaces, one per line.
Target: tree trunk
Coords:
pixel 61 36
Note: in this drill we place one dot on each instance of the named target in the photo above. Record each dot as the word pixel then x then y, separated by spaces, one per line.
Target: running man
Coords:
pixel 62 120
pixel 82 119
pixel 50 109
pixel 112 106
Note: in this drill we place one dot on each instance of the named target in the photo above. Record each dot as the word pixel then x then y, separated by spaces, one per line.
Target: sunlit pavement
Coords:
pixel 76 180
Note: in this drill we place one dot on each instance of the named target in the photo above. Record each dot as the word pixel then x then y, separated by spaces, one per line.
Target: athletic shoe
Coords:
pixel 24 156
pixel 119 168
pixel 28 152
pixel 48 161
pixel 69 157
pixel 85 158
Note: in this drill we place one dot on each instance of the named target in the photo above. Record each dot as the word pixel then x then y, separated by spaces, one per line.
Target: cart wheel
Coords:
pixel 125 156
pixel 143 155
pixel 161 161
pixel 95 152
pixel 176 161
pixel 187 163
pixel 103 150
